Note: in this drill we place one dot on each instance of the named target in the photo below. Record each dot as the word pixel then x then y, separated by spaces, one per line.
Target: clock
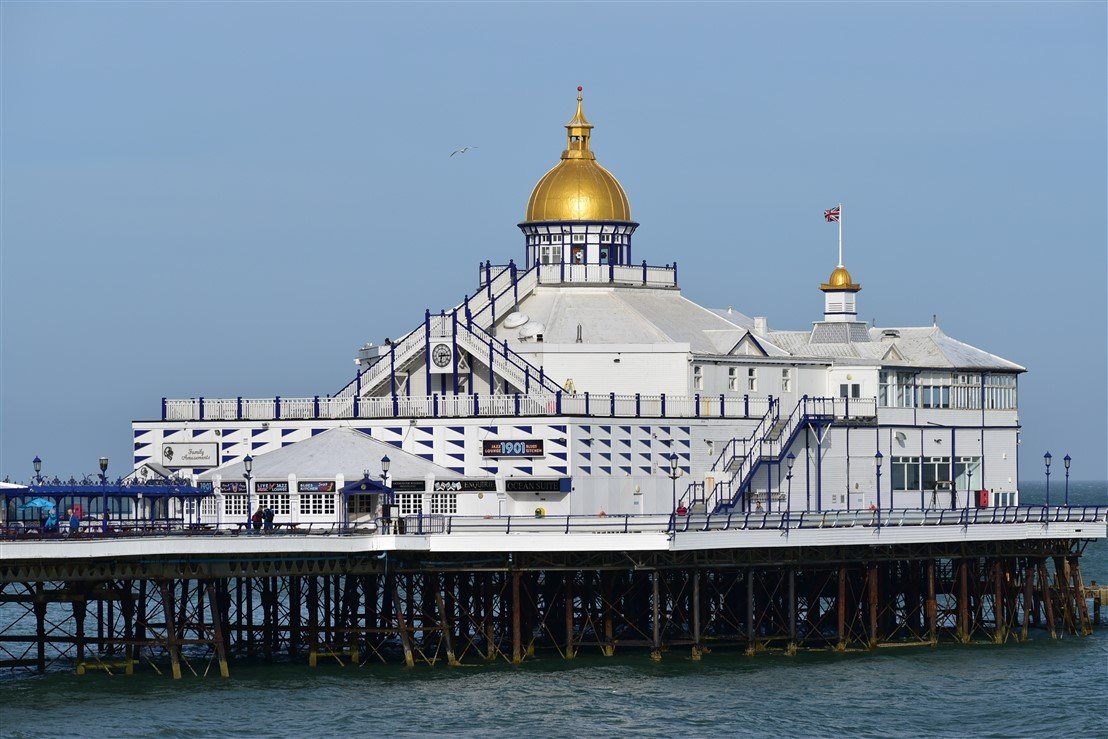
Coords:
pixel 441 355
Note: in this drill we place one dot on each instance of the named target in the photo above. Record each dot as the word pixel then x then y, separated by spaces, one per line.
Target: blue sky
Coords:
pixel 228 199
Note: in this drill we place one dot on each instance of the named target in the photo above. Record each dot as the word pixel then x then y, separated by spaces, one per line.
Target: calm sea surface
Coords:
pixel 1040 688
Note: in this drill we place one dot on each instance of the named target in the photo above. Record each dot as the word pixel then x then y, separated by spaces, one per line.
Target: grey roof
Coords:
pixel 917 347
pixel 336 451
pixel 634 316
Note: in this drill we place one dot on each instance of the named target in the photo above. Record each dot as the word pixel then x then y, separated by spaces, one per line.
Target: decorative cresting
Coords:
pixel 840 281
pixel 578 188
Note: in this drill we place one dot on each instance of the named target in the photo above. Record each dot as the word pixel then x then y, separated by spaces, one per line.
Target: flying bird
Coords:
pixel 463 150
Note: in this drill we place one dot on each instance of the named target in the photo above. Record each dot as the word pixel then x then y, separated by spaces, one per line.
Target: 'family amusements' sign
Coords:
pixel 190 455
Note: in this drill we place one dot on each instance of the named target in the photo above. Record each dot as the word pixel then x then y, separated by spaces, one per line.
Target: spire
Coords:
pixel 580 130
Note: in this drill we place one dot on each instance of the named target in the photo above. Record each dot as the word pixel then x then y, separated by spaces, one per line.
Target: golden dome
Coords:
pixel 840 281
pixel 577 188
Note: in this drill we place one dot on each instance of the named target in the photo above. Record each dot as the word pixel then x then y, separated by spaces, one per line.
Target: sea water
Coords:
pixel 1039 688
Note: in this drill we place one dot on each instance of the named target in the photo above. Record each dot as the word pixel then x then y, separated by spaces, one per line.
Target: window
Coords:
pixel 551 254
pixel 208 507
pixel 905 473
pixel 234 505
pixel 752 379
pixel 786 380
pixel 409 503
pixel 578 238
pixel 360 504
pixel 279 502
pixel 733 378
pixel 852 390
pixel 967 472
pixel 1000 392
pixel 605 238
pixel 697 377
pixel 444 503
pixel 935 470
pixel 934 390
pixel 317 504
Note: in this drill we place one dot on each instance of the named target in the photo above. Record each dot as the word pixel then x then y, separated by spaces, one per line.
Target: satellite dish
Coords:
pixel 515 320
pixel 530 330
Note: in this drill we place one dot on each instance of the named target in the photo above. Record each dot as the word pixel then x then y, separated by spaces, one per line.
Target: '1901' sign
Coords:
pixel 505 448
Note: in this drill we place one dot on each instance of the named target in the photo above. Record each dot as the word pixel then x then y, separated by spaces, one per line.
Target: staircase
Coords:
pixel 769 442
pixel 471 320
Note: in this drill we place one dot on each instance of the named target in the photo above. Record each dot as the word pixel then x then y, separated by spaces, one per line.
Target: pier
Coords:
pixel 464 591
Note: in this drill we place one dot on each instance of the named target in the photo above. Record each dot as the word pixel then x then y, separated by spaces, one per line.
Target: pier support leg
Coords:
pixel 871 597
pixel 1028 600
pixel 1000 630
pixel 447 632
pixel 751 644
pixel 656 618
pixel 569 653
pixel 932 605
pixel 1048 599
pixel 517 630
pixel 1080 597
pixel 218 643
pixel 1065 593
pixel 962 632
pixel 840 609
pixel 171 643
pixel 697 648
pixel 313 621
pixel 791 648
pixel 79 610
pixel 609 647
pixel 402 627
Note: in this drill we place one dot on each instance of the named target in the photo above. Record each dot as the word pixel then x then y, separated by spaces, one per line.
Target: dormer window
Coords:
pixel 697 377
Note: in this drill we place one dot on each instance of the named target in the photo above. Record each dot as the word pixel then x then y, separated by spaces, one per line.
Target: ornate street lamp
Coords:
pixel 103 470
pixel 248 464
pixel 1066 460
pixel 38 469
pixel 674 473
pixel 790 460
pixel 1046 461
pixel 878 459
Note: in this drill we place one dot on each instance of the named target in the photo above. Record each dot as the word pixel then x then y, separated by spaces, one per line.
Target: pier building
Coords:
pixel 575 441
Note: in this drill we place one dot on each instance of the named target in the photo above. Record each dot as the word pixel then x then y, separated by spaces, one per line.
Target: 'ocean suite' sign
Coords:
pixel 190 455
pixel 509 448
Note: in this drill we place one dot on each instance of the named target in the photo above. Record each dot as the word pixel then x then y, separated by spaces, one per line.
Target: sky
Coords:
pixel 221 199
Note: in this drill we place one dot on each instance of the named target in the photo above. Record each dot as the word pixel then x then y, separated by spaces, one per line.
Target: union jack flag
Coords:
pixel 832 215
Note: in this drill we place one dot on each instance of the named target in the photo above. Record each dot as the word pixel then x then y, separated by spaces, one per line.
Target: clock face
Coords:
pixel 441 355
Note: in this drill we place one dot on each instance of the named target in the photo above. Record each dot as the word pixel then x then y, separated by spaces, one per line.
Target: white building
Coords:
pixel 566 382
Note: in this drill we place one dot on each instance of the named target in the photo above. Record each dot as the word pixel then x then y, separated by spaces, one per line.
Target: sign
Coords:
pixel 205 486
pixel 190 455
pixel 537 486
pixel 408 486
pixel 464 486
pixel 233 486
pixel 316 487
pixel 505 448
pixel 271 487
pixel 442 358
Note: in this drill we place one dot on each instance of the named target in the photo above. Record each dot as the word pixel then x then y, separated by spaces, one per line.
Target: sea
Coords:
pixel 1034 689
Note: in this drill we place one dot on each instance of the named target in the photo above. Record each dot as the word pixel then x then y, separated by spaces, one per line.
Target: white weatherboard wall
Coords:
pixel 650 369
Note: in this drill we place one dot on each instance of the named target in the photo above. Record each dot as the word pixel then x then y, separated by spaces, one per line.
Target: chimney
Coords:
pixel 761 325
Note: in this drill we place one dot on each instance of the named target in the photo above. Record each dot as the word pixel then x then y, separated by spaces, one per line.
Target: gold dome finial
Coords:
pixel 840 281
pixel 578 188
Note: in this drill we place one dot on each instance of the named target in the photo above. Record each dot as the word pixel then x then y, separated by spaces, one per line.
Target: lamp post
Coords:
pixel 790 460
pixel 1066 461
pixel 1046 461
pixel 878 459
pixel 674 473
pixel 38 470
pixel 248 463
pixel 969 482
pixel 385 464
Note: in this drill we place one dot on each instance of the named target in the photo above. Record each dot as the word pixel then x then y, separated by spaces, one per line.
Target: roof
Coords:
pixel 339 451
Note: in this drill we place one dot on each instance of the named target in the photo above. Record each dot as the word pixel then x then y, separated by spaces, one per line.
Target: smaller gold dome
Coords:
pixel 578 188
pixel 840 281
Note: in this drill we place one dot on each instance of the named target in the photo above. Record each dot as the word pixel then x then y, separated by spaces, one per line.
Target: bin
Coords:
pixel 982 498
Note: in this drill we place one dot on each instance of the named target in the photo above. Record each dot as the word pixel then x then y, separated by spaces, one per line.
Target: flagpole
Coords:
pixel 840 234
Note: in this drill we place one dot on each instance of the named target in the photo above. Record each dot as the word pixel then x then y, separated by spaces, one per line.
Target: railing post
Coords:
pixel 163 409
pixel 277 407
pixel 201 408
pixel 722 406
pixel 435 405
pixel 612 397
pixel 638 405
pixel 315 407
pixel 427 347
pixel 587 403
pixel 696 398
pixel 663 399
pixel 675 273
pixel 454 345
pixel 488 275
pixel 476 404
pixel 542 377
pixel 527 379
pixel 562 264
pixel 395 406
pixel 644 272
pixel 558 402
pixel 611 269
pixel 746 406
pixel 356 399
pixel 517 404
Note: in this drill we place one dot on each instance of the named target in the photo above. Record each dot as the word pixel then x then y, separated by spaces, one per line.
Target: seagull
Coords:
pixel 463 150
